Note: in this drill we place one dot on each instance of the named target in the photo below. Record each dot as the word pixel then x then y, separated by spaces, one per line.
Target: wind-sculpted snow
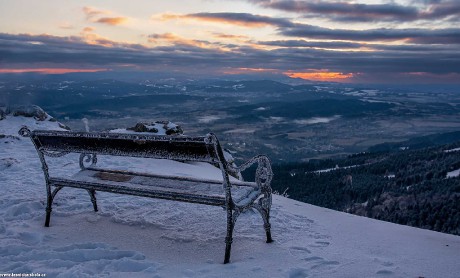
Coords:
pixel 142 237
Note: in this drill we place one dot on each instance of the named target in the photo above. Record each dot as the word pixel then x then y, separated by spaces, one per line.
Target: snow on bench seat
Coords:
pixel 184 189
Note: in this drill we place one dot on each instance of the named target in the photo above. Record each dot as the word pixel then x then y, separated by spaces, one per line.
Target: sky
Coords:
pixel 363 41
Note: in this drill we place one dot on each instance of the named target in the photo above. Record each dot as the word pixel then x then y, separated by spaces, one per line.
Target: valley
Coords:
pixel 287 122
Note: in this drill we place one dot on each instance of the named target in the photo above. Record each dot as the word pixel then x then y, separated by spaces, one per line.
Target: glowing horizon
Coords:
pixel 321 76
pixel 49 70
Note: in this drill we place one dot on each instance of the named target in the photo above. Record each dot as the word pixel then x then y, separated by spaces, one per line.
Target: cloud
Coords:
pixel 357 12
pixel 88 36
pixel 88 29
pixel 442 9
pixel 288 28
pixel 44 51
pixel 229 36
pixel 249 70
pixel 414 35
pixel 50 70
pixel 94 15
pixel 239 19
pixel 112 20
pixel 92 12
pixel 347 11
pixel 313 44
pixel 173 39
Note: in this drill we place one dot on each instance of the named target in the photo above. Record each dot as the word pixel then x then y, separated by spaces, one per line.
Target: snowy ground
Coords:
pixel 453 174
pixel 141 237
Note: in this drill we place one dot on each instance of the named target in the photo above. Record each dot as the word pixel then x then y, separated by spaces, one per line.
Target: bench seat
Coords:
pixel 191 190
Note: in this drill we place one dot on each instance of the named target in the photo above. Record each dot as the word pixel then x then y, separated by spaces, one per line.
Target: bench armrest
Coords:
pixel 264 173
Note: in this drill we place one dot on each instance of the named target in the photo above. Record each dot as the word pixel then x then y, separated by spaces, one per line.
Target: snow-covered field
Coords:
pixel 141 237
pixel 453 174
pixel 316 120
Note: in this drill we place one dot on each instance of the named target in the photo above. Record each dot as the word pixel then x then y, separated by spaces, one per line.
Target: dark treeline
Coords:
pixel 409 187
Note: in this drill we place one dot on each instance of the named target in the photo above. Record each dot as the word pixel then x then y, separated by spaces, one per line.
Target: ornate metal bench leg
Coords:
pixel 92 195
pixel 48 210
pixel 264 208
pixel 229 238
pixel 49 202
pixel 266 216
pixel 268 233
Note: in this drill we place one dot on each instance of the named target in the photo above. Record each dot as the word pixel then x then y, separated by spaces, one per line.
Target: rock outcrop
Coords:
pixel 158 127
pixel 29 111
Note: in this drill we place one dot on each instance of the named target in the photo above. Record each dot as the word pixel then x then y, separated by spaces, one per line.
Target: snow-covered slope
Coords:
pixel 141 237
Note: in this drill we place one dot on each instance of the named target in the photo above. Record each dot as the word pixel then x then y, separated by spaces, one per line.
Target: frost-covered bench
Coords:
pixel 235 197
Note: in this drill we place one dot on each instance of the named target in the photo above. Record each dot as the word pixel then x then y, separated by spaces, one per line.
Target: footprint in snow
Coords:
pixel 384 272
pixel 298 273
pixel 385 264
pixel 30 238
pixel 316 262
pixel 299 250
pixel 319 244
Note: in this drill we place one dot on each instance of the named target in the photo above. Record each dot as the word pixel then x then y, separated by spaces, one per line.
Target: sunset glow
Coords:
pixel 320 76
pixel 216 18
pixel 247 70
pixel 50 70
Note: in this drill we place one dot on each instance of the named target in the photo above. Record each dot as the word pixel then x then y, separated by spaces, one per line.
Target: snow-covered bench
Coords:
pixel 235 196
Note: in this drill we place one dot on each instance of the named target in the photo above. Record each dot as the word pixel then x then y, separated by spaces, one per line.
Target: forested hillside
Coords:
pixel 420 188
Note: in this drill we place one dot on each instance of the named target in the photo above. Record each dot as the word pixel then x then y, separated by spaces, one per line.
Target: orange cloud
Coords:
pixel 164 36
pixel 231 21
pixel 320 76
pixel 230 37
pixel 95 39
pixel 50 70
pixel 88 36
pixel 171 38
pixel 112 20
pixel 214 18
pixel 94 15
pixel 88 29
pixel 92 12
pixel 167 16
pixel 247 70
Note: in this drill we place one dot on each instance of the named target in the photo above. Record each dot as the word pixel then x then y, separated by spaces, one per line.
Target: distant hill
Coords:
pixel 418 142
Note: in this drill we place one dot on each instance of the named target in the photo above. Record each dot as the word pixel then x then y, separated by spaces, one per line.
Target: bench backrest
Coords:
pixel 121 144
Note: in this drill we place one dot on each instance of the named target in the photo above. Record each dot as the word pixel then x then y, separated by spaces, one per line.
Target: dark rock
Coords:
pixel 143 127
pixel 160 127
pixel 31 111
pixel 170 128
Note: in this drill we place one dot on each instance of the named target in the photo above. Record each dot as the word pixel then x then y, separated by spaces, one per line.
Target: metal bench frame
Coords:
pixel 90 144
